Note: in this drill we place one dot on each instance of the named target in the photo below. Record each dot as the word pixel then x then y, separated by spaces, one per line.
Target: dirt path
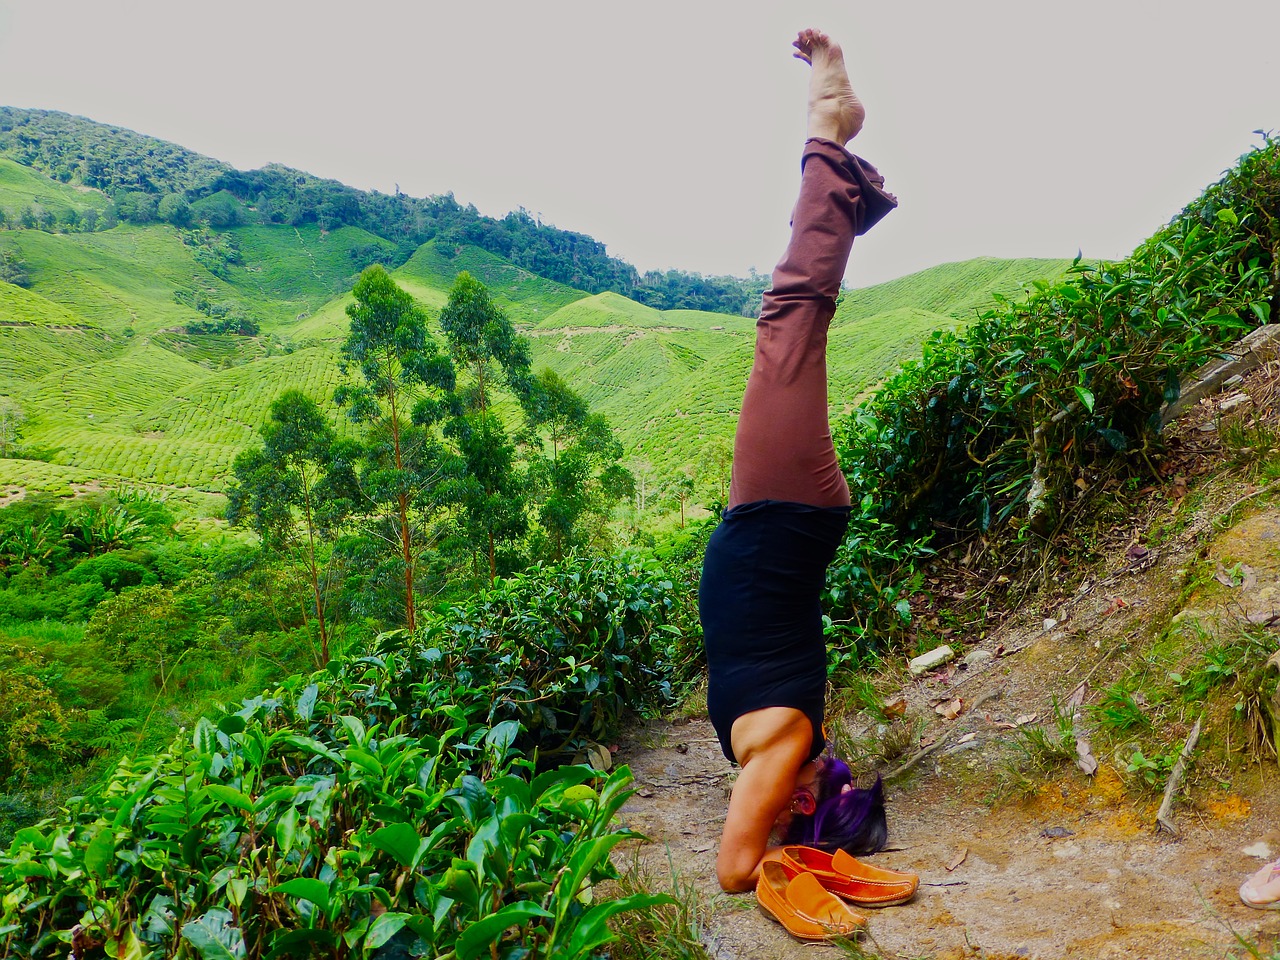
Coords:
pixel 1075 869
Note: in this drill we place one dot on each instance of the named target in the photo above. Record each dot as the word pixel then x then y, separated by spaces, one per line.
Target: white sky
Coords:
pixel 670 129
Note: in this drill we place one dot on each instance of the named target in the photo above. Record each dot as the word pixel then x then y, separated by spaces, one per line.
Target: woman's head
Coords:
pixel 837 815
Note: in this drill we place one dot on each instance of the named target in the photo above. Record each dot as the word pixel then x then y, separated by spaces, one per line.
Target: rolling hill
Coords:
pixel 114 385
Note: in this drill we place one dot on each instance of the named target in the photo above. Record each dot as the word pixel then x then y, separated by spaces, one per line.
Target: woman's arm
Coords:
pixel 772 745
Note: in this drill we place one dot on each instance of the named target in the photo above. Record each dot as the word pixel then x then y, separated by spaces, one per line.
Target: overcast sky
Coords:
pixel 671 129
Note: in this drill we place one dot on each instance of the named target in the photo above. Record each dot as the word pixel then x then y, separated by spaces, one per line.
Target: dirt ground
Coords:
pixel 1077 868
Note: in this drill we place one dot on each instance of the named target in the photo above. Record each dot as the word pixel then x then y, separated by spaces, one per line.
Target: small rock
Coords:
pixel 1056 833
pixel 977 658
pixel 682 748
pixel 1260 850
pixel 934 658
pixel 1049 624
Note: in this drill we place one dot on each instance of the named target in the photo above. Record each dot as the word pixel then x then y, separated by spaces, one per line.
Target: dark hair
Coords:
pixel 852 820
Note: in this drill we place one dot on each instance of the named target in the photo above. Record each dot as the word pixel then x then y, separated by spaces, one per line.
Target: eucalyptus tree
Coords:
pixel 404 378
pixel 488 351
pixel 574 463
pixel 296 491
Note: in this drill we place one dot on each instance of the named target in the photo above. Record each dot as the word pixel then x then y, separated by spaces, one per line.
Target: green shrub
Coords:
pixel 1001 429
pixel 385 803
pixel 565 649
pixel 112 571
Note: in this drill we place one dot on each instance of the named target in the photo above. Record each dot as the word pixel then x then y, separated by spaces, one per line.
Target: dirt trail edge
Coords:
pixel 1074 870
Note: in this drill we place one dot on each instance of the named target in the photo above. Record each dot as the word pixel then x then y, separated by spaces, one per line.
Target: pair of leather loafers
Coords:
pixel 805 890
pixel 850 879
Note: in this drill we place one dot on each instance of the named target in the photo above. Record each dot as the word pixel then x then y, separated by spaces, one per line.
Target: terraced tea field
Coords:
pixel 113 389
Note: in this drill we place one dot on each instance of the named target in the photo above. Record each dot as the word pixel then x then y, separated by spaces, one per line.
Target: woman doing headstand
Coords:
pixel 788 509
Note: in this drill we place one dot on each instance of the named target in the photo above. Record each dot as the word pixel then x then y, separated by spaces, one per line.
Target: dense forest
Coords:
pixel 149 180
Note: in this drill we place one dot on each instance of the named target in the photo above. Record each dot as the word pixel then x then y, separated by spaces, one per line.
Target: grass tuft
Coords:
pixel 666 932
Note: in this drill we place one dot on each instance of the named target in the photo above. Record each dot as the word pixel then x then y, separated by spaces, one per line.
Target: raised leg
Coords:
pixel 783 448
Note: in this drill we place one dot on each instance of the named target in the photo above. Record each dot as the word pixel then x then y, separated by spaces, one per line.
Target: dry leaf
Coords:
pixel 1026 718
pixel 599 756
pixel 701 847
pixel 967 737
pixel 951 709
pixel 895 708
pixel 1077 696
pixel 1085 759
pixel 957 858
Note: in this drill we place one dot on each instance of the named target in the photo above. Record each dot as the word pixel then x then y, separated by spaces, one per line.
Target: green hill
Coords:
pixel 952 289
pixel 103 352
pixel 22 188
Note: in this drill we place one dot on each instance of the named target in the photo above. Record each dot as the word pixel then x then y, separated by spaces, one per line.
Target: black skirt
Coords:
pixel 759 601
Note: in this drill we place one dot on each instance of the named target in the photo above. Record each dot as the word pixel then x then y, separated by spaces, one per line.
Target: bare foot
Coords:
pixel 835 112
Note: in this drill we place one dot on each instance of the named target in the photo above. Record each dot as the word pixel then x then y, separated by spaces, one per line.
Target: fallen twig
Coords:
pixel 942 740
pixel 1223 514
pixel 1163 817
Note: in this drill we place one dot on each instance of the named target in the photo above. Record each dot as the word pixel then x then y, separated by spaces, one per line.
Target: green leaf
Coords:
pixel 203 736
pixel 306 888
pixel 311 745
pixel 1117 439
pixel 501 737
pixel 383 929
pixel 232 723
pixel 485 931
pixel 1086 397
pixel 307 702
pixel 592 929
pixel 365 760
pixel 215 936
pixel 230 796
pixel 580 865
pixel 287 830
pixel 125 947
pixel 400 840
pixel 100 854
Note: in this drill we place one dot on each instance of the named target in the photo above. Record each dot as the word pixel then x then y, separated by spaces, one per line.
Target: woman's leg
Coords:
pixel 783 448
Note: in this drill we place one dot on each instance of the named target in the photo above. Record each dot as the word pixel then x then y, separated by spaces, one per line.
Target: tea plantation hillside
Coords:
pixel 671 381
pixel 150 352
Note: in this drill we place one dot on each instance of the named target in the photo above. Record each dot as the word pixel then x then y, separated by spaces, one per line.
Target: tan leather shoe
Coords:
pixel 803 908
pixel 855 881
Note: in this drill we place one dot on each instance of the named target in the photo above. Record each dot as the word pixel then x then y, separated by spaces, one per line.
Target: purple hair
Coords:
pixel 852 820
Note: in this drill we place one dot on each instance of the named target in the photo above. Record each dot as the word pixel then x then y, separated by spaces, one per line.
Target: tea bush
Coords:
pixel 385 806
pixel 1000 428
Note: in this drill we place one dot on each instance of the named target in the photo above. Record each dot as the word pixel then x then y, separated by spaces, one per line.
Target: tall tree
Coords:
pixel 397 359
pixel 480 337
pixel 295 491
pixel 487 350
pixel 579 478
